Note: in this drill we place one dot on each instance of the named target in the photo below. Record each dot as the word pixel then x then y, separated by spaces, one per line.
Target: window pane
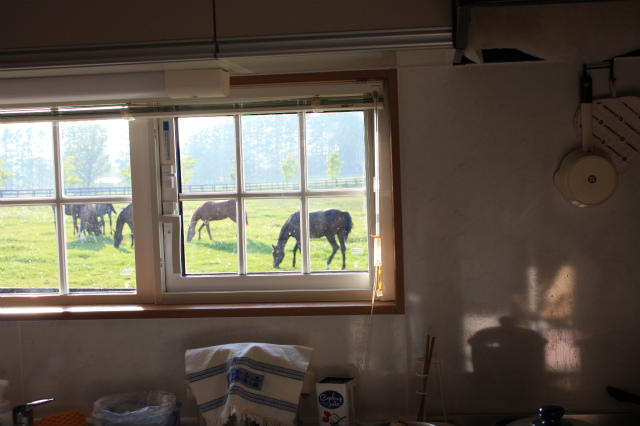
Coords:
pixel 335 150
pixel 268 218
pixel 211 244
pixel 207 154
pixel 333 219
pixel 28 250
pixel 270 149
pixel 100 256
pixel 95 157
pixel 26 160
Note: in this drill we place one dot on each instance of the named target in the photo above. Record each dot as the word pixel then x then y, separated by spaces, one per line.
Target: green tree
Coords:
pixel 334 165
pixel 232 174
pixel 288 167
pixel 125 174
pixel 4 174
pixel 86 144
pixel 187 167
pixel 70 176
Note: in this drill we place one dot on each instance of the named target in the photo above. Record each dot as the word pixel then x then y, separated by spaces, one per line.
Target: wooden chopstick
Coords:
pixel 428 353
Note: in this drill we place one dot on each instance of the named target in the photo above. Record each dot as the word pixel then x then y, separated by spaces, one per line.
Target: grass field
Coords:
pixel 29 254
pixel 29 259
pixel 266 217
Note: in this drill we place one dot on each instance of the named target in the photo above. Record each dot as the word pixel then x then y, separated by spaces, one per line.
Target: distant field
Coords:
pixel 28 253
pixel 266 218
pixel 28 247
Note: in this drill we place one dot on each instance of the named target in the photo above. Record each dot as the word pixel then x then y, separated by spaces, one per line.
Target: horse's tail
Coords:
pixel 112 209
pixel 348 225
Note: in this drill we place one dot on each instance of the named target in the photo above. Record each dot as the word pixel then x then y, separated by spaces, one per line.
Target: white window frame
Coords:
pixel 141 182
pixel 294 287
pixel 154 254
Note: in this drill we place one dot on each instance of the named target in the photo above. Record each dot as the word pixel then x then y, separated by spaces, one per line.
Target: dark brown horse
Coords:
pixel 208 211
pixel 88 220
pixel 329 223
pixel 74 212
pixel 125 216
pixel 105 209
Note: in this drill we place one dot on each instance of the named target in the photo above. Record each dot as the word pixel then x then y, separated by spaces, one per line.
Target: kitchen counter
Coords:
pixel 594 419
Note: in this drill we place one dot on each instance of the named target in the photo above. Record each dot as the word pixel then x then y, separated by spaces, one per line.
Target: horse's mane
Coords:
pixel 120 222
pixel 197 215
pixel 287 228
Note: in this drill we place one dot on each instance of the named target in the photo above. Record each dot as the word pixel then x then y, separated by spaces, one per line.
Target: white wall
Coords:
pixel 486 235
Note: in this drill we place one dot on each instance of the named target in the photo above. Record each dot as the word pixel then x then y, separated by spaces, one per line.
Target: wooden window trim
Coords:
pixel 151 311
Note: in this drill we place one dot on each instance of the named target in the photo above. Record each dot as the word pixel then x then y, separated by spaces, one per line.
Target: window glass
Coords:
pixel 335 150
pixel 211 244
pixel 95 232
pixel 339 234
pixel 95 157
pixel 207 154
pixel 271 237
pixel 28 250
pixel 331 150
pixel 26 160
pixel 270 149
pixel 99 253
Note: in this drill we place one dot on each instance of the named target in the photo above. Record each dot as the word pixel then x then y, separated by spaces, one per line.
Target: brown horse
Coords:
pixel 88 221
pixel 208 211
pixel 105 209
pixel 74 212
pixel 329 223
pixel 125 216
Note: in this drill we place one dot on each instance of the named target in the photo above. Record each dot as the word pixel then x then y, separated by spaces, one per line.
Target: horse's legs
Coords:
pixel 296 248
pixel 204 222
pixel 343 249
pixel 209 231
pixel 334 246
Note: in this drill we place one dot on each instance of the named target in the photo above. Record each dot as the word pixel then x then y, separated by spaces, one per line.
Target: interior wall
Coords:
pixel 487 235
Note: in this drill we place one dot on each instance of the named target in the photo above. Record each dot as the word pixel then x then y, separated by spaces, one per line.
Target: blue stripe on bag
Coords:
pixel 251 397
pixel 260 366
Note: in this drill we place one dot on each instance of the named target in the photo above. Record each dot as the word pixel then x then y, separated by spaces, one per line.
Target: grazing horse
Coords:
pixel 329 223
pixel 74 212
pixel 208 211
pixel 103 209
pixel 125 216
pixel 88 221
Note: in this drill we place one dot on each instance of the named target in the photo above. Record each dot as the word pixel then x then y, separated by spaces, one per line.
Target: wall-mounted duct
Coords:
pixel 115 87
pixel 569 31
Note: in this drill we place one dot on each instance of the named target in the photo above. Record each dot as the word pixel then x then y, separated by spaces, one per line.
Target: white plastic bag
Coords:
pixel 153 408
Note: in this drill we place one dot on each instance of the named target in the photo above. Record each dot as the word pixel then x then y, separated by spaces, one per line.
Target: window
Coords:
pixel 278 193
pixel 76 174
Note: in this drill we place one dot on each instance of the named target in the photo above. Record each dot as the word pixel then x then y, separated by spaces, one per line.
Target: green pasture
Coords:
pixel 29 255
pixel 266 217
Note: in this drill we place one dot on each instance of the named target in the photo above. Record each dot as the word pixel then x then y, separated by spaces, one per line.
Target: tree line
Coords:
pixel 335 148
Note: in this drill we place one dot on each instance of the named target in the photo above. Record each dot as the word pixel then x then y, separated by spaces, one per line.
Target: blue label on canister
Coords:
pixel 331 399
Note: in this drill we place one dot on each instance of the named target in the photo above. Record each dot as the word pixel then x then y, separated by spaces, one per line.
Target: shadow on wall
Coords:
pixel 508 358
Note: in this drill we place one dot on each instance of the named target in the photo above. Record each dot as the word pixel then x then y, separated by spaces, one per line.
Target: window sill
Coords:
pixel 149 311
